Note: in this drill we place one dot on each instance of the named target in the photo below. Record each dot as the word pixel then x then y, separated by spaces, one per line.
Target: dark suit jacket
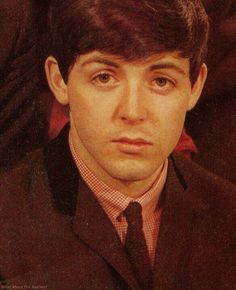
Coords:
pixel 55 234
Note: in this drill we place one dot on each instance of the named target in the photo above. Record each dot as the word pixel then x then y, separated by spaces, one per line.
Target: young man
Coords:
pixel 106 205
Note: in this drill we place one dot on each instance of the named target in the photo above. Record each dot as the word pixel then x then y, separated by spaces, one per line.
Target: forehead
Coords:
pixel 164 60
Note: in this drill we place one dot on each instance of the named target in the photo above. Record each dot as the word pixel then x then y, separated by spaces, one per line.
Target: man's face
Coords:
pixel 126 117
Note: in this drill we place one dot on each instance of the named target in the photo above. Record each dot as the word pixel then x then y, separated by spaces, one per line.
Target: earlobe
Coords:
pixel 55 80
pixel 197 87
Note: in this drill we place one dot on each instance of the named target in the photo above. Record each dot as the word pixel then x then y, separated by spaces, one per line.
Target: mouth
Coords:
pixel 136 141
pixel 132 145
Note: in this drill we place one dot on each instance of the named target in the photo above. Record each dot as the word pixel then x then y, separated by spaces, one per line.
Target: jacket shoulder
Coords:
pixel 198 177
pixel 18 178
pixel 216 193
pixel 213 259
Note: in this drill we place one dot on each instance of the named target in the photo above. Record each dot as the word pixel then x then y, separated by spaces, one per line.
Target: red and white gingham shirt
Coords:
pixel 114 202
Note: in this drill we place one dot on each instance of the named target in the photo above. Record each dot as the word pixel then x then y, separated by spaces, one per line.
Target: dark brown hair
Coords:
pixel 131 29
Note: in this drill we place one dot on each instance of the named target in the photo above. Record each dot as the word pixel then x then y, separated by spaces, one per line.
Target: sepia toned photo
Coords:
pixel 117 144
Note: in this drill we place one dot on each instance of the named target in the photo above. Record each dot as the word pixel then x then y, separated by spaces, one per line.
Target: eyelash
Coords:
pixel 166 87
pixel 168 81
pixel 101 74
pixel 169 84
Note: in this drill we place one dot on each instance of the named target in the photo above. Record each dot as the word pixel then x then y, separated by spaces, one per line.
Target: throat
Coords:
pixel 136 189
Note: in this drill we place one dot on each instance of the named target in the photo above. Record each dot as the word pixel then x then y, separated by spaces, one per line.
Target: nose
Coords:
pixel 131 108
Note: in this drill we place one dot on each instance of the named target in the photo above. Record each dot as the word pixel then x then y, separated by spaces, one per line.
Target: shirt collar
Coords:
pixel 113 201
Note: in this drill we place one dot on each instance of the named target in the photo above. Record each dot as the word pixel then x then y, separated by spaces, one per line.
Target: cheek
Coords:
pixel 171 121
pixel 88 120
pixel 172 112
pixel 89 105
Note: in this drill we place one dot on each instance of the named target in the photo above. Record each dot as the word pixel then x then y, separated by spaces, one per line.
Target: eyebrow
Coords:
pixel 101 61
pixel 167 65
pixel 164 65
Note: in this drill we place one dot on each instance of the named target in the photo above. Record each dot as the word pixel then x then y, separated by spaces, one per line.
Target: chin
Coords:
pixel 131 172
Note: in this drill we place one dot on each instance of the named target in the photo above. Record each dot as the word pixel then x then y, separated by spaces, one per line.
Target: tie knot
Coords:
pixel 133 215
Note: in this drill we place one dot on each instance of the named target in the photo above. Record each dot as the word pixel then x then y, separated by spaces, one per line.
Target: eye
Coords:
pixel 103 79
pixel 162 82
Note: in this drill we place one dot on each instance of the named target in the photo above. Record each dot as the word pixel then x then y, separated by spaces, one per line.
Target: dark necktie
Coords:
pixel 135 245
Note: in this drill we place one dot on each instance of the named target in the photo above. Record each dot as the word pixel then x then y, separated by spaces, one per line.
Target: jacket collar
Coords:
pixel 62 172
pixel 72 197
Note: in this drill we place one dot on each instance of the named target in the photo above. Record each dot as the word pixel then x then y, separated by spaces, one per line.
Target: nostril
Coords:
pixel 132 119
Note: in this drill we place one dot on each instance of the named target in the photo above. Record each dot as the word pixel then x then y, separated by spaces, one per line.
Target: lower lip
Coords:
pixel 132 148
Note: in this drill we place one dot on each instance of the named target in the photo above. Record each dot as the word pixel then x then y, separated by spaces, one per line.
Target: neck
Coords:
pixel 133 189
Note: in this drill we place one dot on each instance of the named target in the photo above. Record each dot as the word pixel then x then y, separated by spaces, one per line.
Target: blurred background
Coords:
pixel 212 124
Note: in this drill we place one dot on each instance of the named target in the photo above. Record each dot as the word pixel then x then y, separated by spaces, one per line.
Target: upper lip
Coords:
pixel 134 141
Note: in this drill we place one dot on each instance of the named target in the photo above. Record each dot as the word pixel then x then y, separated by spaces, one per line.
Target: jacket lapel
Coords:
pixel 180 215
pixel 73 197
pixel 94 227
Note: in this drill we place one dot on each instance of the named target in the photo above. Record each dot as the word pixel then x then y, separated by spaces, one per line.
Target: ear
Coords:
pixel 197 87
pixel 55 80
